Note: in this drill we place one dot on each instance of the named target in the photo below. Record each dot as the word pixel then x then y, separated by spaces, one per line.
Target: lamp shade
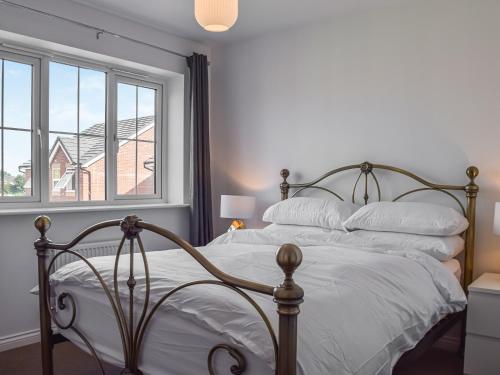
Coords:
pixel 496 220
pixel 216 15
pixel 236 206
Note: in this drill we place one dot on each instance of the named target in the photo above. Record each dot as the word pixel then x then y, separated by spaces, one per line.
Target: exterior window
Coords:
pixel 100 141
pixel 56 173
pixel 137 136
pixel 16 127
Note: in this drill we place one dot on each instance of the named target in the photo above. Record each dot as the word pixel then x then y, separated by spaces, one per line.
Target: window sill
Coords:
pixel 56 210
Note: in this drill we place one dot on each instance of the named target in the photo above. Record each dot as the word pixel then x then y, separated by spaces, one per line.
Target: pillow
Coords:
pixel 408 217
pixel 438 247
pixel 317 212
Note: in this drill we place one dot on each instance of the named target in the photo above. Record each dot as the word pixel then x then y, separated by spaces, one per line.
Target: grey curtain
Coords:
pixel 201 225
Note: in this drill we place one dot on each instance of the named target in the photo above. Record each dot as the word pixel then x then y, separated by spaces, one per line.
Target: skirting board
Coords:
pixel 19 339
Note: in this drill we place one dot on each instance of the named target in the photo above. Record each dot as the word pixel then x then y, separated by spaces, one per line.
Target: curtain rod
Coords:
pixel 99 32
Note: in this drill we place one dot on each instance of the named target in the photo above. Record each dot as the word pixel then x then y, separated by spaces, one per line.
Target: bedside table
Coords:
pixel 482 343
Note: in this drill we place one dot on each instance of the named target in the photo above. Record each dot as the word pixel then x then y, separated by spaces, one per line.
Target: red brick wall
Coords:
pixel 27 176
pixel 95 173
pixel 126 166
pixel 93 180
pixel 97 176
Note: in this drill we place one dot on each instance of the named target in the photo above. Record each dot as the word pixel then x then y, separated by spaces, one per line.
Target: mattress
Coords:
pixel 407 293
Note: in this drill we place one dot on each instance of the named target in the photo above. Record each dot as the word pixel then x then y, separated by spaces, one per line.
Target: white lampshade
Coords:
pixel 216 15
pixel 496 221
pixel 236 206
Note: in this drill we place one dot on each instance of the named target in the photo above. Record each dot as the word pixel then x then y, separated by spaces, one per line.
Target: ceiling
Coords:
pixel 256 17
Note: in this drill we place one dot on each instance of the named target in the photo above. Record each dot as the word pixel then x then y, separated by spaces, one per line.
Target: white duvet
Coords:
pixel 363 307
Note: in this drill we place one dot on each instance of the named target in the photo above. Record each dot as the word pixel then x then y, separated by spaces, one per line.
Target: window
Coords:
pixel 18 75
pixel 100 142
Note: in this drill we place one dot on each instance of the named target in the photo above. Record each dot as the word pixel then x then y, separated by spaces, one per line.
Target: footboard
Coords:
pixel 287 296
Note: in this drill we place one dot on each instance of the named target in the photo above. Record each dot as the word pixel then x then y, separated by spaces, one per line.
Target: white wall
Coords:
pixel 19 309
pixel 415 85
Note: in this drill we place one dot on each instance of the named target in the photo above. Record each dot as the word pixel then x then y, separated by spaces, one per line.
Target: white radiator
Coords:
pixel 89 250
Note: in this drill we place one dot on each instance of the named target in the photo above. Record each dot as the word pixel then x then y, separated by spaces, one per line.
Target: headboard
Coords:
pixel 367 175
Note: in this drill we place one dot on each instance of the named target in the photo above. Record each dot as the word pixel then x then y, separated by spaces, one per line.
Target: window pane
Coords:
pixel 1 80
pixel 146 102
pixel 136 121
pixel 146 150
pixel 63 98
pixel 17 95
pixel 92 168
pixel 92 102
pixel 126 101
pixel 145 168
pixel 2 173
pixel 77 160
pixel 63 149
pixel 17 163
pixel 126 168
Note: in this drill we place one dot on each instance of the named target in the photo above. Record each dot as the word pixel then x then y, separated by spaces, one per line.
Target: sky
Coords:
pixel 68 103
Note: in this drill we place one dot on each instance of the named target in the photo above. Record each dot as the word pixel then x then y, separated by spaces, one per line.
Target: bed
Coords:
pixel 363 308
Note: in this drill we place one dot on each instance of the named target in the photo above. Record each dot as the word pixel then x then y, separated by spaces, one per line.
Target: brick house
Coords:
pixel 63 162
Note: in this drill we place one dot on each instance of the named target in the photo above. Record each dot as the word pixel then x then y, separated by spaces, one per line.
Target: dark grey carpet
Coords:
pixel 69 360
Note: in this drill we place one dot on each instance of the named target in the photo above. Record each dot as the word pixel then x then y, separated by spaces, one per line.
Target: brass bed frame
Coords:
pixel 287 296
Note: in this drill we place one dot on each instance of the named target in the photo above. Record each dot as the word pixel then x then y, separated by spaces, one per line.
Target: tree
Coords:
pixel 13 185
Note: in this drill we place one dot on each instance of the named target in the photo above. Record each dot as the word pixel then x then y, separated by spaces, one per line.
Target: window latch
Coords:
pixel 39 133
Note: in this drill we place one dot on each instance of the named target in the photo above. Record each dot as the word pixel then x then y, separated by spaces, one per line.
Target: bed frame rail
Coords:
pixel 287 296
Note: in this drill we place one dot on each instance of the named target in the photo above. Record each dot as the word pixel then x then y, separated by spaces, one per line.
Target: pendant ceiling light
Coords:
pixel 216 15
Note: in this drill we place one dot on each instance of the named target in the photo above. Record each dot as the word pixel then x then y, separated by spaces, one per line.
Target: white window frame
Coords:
pixel 40 131
pixel 35 127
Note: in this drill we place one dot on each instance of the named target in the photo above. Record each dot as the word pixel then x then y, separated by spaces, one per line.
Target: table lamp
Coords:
pixel 236 207
pixel 496 220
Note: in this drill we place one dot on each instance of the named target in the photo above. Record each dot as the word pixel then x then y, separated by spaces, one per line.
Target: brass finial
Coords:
pixel 42 224
pixel 472 173
pixel 366 167
pixel 284 186
pixel 289 257
pixel 285 173
pixel 471 189
pixel 129 226
pixel 288 295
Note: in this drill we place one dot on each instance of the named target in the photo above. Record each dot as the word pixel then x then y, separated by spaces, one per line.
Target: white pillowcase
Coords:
pixel 441 248
pixel 408 217
pixel 317 212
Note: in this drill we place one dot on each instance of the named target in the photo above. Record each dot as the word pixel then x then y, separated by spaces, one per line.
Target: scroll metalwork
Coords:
pixel 132 334
pixel 367 171
pixel 237 369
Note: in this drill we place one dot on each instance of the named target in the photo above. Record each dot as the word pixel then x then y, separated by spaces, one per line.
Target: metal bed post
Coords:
pixel 288 296
pixel 42 223
pixel 471 190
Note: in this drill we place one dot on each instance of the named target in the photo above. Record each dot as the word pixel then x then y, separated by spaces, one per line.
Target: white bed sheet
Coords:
pixel 454 267
pixel 407 292
pixel 351 239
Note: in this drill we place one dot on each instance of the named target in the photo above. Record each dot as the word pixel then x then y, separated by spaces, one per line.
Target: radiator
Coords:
pixel 89 250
